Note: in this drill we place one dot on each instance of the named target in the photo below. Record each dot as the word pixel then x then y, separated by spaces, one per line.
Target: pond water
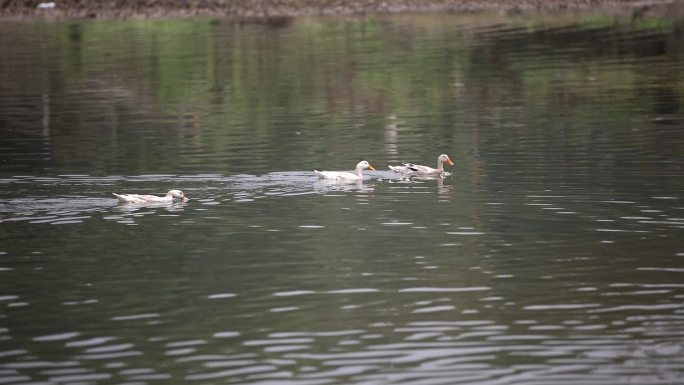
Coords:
pixel 553 253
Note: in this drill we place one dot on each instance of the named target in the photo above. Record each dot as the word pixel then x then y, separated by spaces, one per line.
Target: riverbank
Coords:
pixel 265 9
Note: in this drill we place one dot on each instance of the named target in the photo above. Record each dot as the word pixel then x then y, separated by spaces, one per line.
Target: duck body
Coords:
pixel 338 175
pixel 417 169
pixel 138 199
pixel 344 175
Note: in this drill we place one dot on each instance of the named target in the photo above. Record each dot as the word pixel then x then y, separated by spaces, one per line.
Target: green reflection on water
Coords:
pixel 153 96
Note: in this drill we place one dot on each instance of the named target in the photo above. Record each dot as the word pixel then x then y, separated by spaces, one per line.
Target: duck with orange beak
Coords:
pixel 137 199
pixel 344 175
pixel 417 169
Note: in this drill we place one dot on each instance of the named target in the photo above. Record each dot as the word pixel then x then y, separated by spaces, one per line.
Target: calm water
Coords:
pixel 554 253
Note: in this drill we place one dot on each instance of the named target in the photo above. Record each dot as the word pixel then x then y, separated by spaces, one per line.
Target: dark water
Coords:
pixel 554 253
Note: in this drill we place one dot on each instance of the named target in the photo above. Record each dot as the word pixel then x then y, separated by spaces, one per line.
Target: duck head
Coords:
pixel 444 158
pixel 177 194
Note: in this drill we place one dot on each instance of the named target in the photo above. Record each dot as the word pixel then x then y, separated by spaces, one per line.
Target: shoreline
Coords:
pixel 270 9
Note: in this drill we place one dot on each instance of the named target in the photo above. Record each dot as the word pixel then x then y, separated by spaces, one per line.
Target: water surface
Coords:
pixel 553 253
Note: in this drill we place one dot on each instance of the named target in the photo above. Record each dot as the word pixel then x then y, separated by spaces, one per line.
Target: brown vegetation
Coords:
pixel 259 9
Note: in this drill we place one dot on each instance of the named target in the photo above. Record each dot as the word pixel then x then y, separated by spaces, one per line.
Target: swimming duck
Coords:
pixel 416 169
pixel 343 175
pixel 146 199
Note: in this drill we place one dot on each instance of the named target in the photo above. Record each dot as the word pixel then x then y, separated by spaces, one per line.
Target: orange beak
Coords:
pixel 450 162
pixel 370 167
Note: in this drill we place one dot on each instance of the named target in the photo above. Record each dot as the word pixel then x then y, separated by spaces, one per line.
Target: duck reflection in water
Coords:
pixel 444 190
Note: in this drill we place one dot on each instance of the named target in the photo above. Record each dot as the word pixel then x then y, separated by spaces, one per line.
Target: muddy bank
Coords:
pixel 264 9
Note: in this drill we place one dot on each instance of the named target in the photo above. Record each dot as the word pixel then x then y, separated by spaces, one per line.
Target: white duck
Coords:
pixel 137 199
pixel 416 169
pixel 343 175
